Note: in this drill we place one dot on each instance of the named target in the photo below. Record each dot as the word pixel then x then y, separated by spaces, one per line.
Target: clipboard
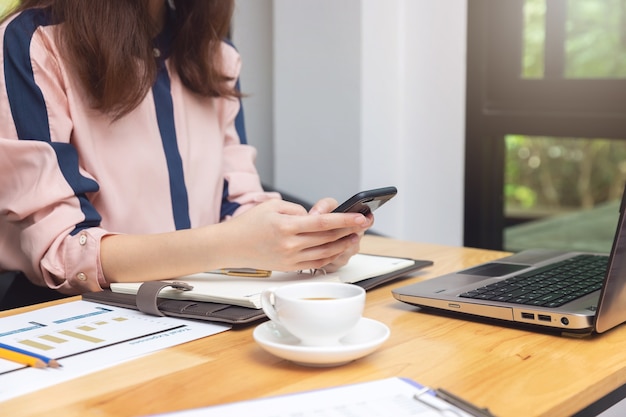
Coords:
pixel 148 298
pixel 395 396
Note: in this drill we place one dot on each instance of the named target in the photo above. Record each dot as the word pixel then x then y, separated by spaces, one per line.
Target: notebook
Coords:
pixel 597 303
pixel 246 292
pixel 235 300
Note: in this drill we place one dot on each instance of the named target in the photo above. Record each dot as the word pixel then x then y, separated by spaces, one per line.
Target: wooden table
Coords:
pixel 512 372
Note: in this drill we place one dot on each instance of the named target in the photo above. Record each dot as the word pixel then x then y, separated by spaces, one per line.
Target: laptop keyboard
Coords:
pixel 549 286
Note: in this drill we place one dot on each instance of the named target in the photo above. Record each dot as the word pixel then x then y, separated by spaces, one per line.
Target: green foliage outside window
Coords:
pixel 534 39
pixel 595 45
pixel 553 175
pixel 596 39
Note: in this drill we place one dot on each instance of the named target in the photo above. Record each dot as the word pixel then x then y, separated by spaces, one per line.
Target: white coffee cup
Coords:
pixel 317 313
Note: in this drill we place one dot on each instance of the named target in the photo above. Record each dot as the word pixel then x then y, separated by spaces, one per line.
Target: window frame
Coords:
pixel 499 102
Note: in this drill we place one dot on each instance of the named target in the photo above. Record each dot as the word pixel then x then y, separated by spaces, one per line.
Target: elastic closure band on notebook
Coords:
pixel 148 293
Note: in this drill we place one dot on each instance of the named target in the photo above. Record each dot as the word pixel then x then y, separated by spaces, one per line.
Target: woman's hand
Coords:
pixel 275 235
pixel 326 205
pixel 282 236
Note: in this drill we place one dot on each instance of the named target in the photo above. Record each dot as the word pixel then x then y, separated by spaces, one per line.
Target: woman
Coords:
pixel 123 155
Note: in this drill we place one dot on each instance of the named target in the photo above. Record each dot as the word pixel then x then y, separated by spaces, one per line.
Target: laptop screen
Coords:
pixel 611 307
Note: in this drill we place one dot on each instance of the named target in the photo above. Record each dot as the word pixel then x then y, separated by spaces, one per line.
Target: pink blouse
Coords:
pixel 69 175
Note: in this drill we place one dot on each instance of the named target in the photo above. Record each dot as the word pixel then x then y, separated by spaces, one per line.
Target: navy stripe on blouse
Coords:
pixel 28 107
pixel 165 117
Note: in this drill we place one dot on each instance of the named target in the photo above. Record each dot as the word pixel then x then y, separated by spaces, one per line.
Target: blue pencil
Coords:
pixel 48 361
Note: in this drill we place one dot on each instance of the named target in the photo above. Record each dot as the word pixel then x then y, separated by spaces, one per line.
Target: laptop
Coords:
pixel 561 291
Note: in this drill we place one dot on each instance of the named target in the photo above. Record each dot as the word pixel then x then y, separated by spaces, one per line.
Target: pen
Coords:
pixel 242 272
pixel 46 361
pixel 21 358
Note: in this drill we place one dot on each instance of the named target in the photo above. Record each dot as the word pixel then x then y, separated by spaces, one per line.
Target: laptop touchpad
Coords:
pixel 493 269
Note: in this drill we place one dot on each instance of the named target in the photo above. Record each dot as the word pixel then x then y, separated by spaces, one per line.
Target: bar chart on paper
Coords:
pixel 85 328
pixel 85 337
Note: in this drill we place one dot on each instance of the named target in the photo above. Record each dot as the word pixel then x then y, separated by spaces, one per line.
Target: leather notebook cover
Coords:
pixel 147 299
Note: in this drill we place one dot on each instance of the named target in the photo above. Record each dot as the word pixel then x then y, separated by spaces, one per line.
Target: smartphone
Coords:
pixel 366 202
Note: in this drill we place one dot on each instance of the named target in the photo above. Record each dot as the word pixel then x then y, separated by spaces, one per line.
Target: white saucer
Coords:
pixel 365 338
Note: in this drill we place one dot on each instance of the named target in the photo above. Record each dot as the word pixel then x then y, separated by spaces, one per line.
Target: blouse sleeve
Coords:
pixel 49 229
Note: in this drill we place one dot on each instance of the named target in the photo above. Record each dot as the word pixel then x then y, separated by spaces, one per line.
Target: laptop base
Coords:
pixel 504 323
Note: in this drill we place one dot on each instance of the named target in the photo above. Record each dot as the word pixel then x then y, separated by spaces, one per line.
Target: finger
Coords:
pixel 325 205
pixel 334 222
pixel 331 252
pixel 287 207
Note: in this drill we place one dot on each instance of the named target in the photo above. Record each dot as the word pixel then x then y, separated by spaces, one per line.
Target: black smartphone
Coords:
pixel 366 202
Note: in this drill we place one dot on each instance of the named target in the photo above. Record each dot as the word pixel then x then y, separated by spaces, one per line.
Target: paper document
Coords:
pixel 85 337
pixel 246 292
pixel 397 397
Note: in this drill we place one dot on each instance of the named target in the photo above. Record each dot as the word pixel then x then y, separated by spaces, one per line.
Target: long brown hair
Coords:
pixel 109 46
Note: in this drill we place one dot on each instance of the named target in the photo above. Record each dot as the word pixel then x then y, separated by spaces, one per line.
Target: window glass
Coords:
pixel 595 38
pixel 568 188
pixel 534 39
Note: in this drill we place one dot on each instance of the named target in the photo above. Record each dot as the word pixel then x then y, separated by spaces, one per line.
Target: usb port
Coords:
pixel 528 316
pixel 544 317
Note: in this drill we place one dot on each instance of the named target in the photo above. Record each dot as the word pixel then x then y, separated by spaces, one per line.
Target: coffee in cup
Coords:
pixel 317 313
